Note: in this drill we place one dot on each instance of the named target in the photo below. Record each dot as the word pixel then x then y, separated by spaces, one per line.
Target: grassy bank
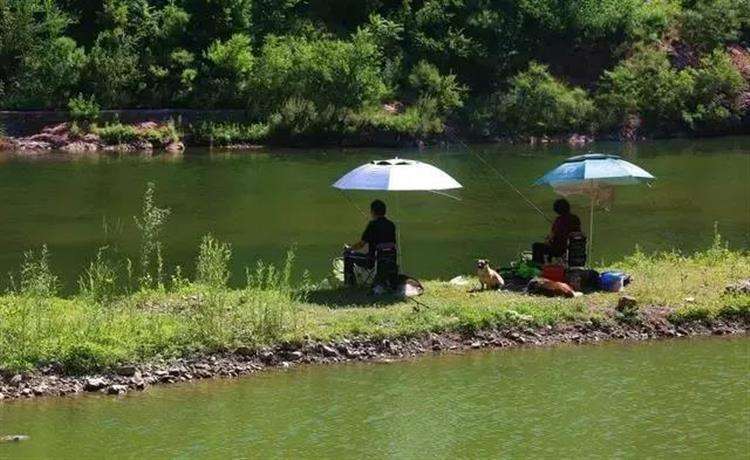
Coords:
pixel 102 327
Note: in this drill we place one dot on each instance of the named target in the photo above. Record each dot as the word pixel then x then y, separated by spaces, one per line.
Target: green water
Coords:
pixel 264 202
pixel 675 399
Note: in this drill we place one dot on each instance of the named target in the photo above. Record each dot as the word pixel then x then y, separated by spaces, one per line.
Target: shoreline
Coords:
pixel 144 137
pixel 652 324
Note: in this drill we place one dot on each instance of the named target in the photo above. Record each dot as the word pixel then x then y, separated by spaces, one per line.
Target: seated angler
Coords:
pixel 556 243
pixel 380 238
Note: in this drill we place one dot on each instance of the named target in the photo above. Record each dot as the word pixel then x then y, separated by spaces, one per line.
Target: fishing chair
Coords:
pixel 386 265
pixel 577 255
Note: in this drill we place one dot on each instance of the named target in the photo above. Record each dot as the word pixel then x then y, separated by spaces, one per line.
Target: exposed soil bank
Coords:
pixel 651 323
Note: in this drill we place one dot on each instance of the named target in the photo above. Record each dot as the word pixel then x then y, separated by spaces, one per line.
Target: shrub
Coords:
pixel 229 66
pixel 35 277
pixel 218 133
pixel 427 82
pixel 99 281
pixel 538 104
pixel 716 96
pixel 707 24
pixel 646 85
pixel 326 72
pixel 150 224
pixel 212 268
pixel 117 133
pixel 83 109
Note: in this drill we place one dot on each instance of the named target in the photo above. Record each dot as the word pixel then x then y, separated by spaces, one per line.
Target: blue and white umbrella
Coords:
pixel 595 175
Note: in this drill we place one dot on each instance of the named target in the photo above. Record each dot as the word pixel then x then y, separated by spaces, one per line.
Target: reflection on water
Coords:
pixel 675 399
pixel 265 202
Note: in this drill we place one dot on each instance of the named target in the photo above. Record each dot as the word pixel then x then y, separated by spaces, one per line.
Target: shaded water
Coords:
pixel 262 203
pixel 672 399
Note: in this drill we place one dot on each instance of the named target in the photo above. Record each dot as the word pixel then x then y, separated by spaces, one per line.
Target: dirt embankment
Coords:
pixel 649 323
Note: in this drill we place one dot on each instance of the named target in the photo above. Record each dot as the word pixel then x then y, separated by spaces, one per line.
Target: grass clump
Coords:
pixel 223 134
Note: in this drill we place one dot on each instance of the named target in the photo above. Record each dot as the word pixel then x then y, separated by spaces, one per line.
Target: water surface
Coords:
pixel 672 399
pixel 265 202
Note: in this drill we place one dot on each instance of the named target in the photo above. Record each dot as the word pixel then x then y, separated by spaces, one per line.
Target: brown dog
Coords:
pixel 488 278
pixel 549 288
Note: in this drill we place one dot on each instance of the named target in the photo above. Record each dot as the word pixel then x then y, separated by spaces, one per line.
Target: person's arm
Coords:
pixel 356 246
pixel 363 240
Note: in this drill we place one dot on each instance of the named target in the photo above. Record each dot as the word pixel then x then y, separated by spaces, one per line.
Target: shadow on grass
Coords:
pixel 347 297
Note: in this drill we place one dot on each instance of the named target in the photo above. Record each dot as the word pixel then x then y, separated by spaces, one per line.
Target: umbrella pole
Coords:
pixel 591 231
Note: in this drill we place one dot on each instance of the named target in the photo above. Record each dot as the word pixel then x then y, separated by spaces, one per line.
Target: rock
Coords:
pixel 626 303
pixel 244 351
pixel 39 390
pixel 126 371
pixel 295 355
pixel 27 392
pixel 60 128
pixel 138 383
pixel 117 389
pixel 16 380
pixel 458 281
pixel 94 384
pixel 141 145
pixel 14 438
pixel 175 147
pixel 328 350
pixel 80 147
pixel 740 287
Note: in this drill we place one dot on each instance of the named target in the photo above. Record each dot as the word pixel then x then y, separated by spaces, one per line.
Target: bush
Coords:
pixel 326 72
pixel 150 224
pixel 538 104
pixel 99 281
pixel 706 24
pixel 716 96
pixel 704 98
pixel 35 278
pixel 646 85
pixel 427 82
pixel 117 133
pixel 212 268
pixel 83 109
pixel 218 133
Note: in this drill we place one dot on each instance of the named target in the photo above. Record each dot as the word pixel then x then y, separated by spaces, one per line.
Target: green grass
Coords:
pixel 84 335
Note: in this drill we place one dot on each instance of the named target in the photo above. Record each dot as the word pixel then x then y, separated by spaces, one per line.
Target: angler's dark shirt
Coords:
pixel 563 226
pixel 379 231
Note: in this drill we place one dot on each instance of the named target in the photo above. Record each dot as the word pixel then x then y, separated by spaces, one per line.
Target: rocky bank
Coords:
pixel 64 138
pixel 624 323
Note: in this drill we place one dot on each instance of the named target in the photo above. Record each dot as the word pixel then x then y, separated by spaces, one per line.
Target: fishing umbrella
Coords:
pixel 595 175
pixel 398 175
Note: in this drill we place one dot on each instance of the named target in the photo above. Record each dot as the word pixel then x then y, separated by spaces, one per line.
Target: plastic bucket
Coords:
pixel 611 281
pixel 554 272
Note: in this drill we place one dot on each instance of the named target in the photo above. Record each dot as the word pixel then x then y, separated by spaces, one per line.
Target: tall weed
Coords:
pixel 99 280
pixel 150 224
pixel 212 268
pixel 35 277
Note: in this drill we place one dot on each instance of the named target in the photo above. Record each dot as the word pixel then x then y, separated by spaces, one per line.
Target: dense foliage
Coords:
pixel 315 68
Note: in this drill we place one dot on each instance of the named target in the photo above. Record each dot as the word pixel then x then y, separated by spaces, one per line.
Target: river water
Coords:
pixel 686 398
pixel 265 202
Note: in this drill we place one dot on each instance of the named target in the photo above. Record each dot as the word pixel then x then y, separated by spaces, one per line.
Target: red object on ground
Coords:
pixel 554 272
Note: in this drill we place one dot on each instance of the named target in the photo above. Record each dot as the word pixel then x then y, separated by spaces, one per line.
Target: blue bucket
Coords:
pixel 612 281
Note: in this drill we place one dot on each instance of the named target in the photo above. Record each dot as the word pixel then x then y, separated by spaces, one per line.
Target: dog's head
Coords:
pixel 482 264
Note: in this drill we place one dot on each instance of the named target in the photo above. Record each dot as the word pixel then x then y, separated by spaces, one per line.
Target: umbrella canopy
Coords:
pixel 397 175
pixel 595 168
pixel 595 175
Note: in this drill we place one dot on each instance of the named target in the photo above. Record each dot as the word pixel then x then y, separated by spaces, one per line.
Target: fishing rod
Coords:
pixel 504 179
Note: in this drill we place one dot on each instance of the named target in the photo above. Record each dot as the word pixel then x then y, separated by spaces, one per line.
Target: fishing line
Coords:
pixel 507 182
pixel 364 214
